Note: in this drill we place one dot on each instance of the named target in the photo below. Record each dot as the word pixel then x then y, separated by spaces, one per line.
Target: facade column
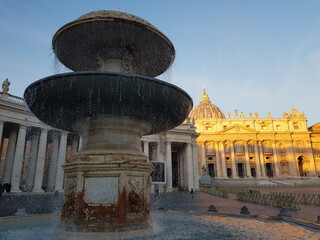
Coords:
pixel 7 172
pixel 61 161
pixel 292 160
pixel 18 158
pixel 248 168
pixel 263 166
pixel 256 156
pixel 312 165
pixel 219 172
pixel 159 155
pixel 195 165
pixel 146 148
pixel 275 159
pixel 233 161
pixel 189 166
pixel 38 178
pixel 33 161
pixel 169 166
pixel 223 161
pixel 53 161
pixel 203 157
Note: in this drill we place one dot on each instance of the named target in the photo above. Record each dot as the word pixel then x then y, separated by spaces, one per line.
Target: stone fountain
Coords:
pixel 111 99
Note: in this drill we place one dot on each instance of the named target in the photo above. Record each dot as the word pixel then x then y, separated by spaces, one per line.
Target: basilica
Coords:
pixel 208 143
pixel 235 146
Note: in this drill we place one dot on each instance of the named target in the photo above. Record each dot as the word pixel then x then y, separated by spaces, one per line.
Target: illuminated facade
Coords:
pixel 253 147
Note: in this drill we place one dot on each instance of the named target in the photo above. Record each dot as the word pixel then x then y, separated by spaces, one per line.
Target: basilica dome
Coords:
pixel 205 109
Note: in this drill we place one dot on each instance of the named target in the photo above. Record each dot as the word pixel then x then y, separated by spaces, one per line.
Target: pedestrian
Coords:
pixel 157 193
pixel 192 192
pixel 250 191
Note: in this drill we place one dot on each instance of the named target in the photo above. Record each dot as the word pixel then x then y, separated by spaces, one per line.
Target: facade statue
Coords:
pixel 284 115
pixel 269 114
pixel 5 86
pixel 256 115
pixel 235 113
pixel 242 115
pixel 204 170
pixel 228 114
pixel 250 115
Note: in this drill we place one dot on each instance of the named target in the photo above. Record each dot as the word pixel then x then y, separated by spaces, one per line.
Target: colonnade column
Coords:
pixel 292 160
pixel 53 161
pixel 223 161
pixel 248 169
pixel 263 167
pixel 7 173
pixel 219 172
pixel 18 158
pixel 256 156
pixel 189 166
pixel 1 162
pixel 32 161
pixel 38 178
pixel 233 161
pixel 195 165
pixel 169 165
pixel 275 159
pixel 146 148
pixel 61 161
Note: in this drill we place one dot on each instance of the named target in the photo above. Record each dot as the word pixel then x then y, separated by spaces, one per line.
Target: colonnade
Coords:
pixel 29 155
pixel 162 152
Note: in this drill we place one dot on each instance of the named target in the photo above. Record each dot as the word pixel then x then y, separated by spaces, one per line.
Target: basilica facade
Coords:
pixel 235 146
pixel 33 153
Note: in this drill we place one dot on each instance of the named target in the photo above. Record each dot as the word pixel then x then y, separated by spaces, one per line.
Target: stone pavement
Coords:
pixel 183 201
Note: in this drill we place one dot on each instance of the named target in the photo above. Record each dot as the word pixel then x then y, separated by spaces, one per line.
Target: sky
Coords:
pixel 253 56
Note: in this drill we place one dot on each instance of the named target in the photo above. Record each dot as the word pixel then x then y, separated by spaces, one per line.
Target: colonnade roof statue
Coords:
pixel 112 100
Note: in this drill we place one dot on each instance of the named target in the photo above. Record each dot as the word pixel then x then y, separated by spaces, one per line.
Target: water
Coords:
pixel 193 226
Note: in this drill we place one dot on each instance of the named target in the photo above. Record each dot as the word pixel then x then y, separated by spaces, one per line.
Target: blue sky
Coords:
pixel 254 56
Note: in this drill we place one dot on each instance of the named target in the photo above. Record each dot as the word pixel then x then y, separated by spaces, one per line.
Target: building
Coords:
pixel 253 147
pixel 32 153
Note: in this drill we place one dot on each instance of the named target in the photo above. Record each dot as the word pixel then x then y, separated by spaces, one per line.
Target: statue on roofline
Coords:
pixel 5 86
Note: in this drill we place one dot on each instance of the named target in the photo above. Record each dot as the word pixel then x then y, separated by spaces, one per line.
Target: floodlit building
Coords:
pixel 253 147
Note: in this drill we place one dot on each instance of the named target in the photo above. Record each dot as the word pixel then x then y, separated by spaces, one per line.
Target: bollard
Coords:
pixel 285 213
pixel 244 210
pixel 21 212
pixel 212 208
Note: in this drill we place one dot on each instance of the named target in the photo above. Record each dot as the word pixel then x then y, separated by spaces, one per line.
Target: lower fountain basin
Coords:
pixel 167 225
pixel 64 99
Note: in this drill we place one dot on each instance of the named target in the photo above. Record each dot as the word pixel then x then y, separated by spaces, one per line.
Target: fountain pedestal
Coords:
pixel 107 184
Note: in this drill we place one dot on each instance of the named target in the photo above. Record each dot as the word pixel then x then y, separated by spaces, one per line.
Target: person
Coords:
pixel 157 193
pixel 1 189
pixel 250 191
pixel 192 193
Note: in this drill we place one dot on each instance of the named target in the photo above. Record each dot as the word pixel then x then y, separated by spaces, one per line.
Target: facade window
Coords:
pixel 264 127
pixel 224 126
pixel 210 158
pixel 278 127
pixel 295 125
pixel 208 128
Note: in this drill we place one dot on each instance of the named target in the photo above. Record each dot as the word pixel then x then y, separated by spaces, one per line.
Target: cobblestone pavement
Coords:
pixel 201 201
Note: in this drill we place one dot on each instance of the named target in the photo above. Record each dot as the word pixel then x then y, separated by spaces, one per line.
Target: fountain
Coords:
pixel 112 99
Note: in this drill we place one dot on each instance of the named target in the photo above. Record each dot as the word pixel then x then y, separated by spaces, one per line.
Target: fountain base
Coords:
pixel 106 193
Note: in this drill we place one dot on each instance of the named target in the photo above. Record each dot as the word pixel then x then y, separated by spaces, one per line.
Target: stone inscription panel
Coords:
pixel 101 190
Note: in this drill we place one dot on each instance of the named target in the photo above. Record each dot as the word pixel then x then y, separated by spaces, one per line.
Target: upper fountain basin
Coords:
pixel 63 100
pixel 93 40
